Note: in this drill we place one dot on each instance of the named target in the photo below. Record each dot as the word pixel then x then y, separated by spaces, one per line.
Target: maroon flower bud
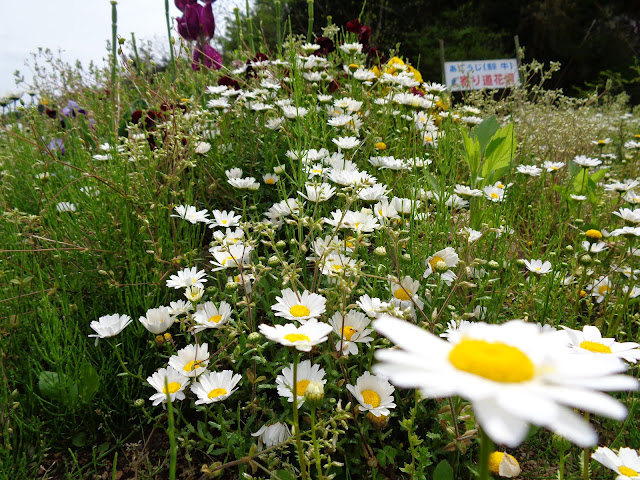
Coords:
pixel 354 26
pixel 229 82
pixel 326 45
pixel 364 34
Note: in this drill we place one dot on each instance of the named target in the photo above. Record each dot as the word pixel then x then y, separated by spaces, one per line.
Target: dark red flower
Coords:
pixel 326 45
pixel 354 26
pixel 229 82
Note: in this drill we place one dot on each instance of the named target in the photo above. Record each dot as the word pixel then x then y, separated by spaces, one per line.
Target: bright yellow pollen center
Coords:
pixel 593 233
pixel 348 332
pixel 301 387
pixel 192 365
pixel 401 294
pixel 296 337
pixel 173 387
pixel 357 225
pixel 299 311
pixel 434 261
pixel 372 398
pixel 380 212
pixel 337 268
pixel 270 181
pixel 500 185
pixel 494 195
pixel 595 347
pixel 215 318
pixel 428 139
pixel 494 462
pixel 224 222
pixel 629 472
pixel 217 392
pixel 495 361
pixel 602 289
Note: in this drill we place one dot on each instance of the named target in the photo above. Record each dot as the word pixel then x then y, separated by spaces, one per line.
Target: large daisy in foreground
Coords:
pixel 514 374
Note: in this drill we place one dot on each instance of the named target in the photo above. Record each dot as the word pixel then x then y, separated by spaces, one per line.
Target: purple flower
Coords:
pixel 197 23
pixel 207 56
pixel 55 145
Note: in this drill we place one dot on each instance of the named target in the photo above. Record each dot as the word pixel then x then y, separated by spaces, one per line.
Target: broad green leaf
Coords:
pixel 472 148
pixel 485 131
pixel 499 152
pixel 89 382
pixel 443 471
pixel 284 475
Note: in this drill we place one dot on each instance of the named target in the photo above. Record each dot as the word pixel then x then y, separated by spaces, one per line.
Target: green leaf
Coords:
pixel 79 439
pixel 58 388
pixel 472 148
pixel 284 475
pixel 443 471
pixel 499 154
pixel 89 382
pixel 485 131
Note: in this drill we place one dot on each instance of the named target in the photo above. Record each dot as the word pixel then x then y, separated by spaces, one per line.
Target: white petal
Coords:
pixel 409 336
pixel 499 425
pixel 595 402
pixel 574 428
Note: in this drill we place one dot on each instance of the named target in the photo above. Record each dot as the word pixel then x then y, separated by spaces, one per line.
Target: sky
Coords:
pixel 81 28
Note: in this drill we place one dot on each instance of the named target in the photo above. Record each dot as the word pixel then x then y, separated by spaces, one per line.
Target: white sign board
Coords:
pixel 480 74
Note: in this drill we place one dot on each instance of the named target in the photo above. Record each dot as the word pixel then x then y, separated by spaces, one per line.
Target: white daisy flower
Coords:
pixel 626 232
pixel 210 316
pixel 600 288
pixel 302 338
pixel 272 435
pixel 231 256
pixel 352 329
pixel 552 166
pixel 167 381
pixel 215 386
pixel 346 143
pixel 538 266
pixel 590 340
pixel 594 247
pixel 318 192
pixel 514 374
pixel 270 179
pixel 65 207
pixel 109 325
pixel 187 277
pixel 493 193
pixel 373 307
pixel 193 293
pixel 374 394
pixel 224 219
pixel 191 360
pixel 531 170
pixel 190 214
pixel 294 306
pixel 438 261
pixel 306 374
pixel 248 183
pixel 586 162
pixel 625 463
pixel 628 215
pixel 157 320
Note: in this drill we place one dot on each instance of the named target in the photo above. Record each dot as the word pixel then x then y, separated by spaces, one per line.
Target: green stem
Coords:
pixel 296 420
pixel 124 366
pixel 278 34
pixel 173 60
pixel 173 450
pixel 586 455
pixel 310 24
pixel 316 450
pixel 250 25
pixel 486 446
pixel 114 61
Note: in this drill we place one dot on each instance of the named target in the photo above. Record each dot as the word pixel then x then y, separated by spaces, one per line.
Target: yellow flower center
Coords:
pixel 224 222
pixel 357 224
pixel 380 213
pixel 500 185
pixel 604 289
pixel 434 261
pixel 337 267
pixel 428 139
pixel 173 387
pixel 494 361
pixel 270 181
pixel 348 332
pixel 494 195
pixel 299 311
pixel 193 365
pixel 595 347
pixel 301 387
pixel 401 294
pixel 215 318
pixel 372 398
pixel 629 472
pixel 381 146
pixel 593 234
pixel 601 142
pixel 296 337
pixel 494 462
pixel 217 392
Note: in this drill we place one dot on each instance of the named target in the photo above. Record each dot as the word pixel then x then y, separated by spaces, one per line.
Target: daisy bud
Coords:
pixel 520 262
pixel 159 341
pixel 253 337
pixel 585 260
pixel 281 244
pixel 278 169
pixel 139 402
pixel 380 251
pixel 314 394
pixel 231 286
pixel 406 257
pixel 569 248
pixel 493 265
pixel 441 266
pixel 273 261
pixel 194 293
pixel 381 146
pixel 560 444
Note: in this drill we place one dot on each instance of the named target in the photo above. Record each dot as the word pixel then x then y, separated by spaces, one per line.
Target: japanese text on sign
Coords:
pixel 479 74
